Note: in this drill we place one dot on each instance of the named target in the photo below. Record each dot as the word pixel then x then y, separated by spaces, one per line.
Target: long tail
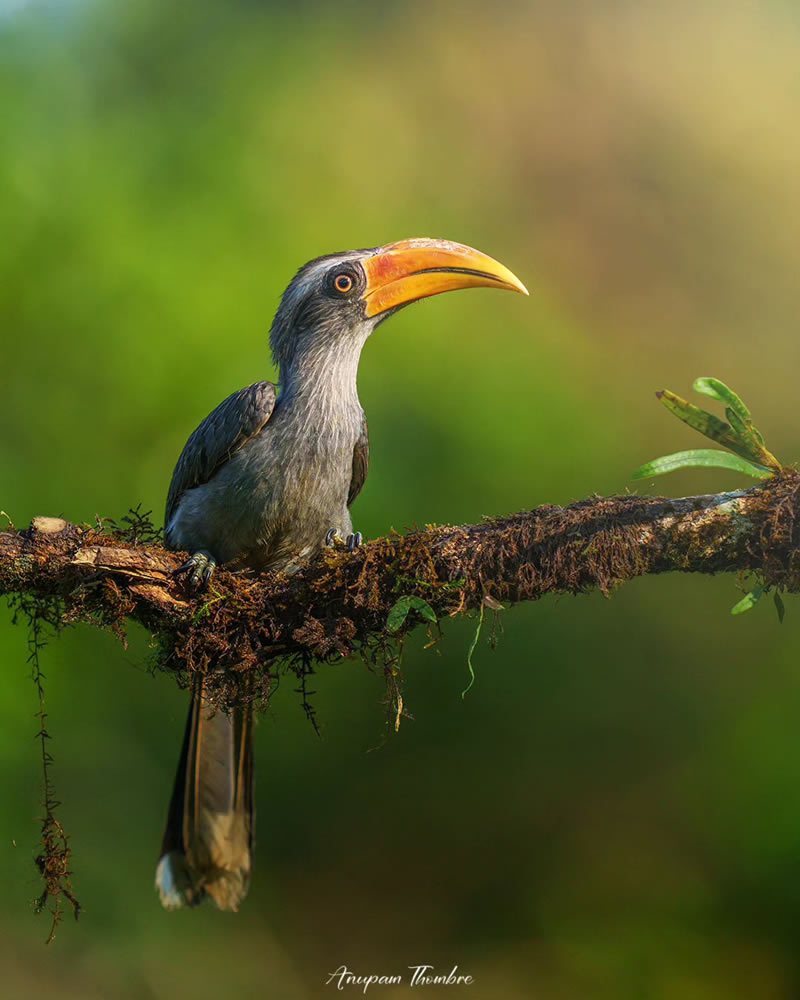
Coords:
pixel 208 842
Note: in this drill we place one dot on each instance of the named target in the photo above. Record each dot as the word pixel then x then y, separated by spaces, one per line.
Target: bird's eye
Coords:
pixel 343 283
pixel 342 280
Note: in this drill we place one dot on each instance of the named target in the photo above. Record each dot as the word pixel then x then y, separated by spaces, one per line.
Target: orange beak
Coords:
pixel 403 272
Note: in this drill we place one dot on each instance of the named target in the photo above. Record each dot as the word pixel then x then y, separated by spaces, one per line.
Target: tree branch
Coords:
pixel 339 603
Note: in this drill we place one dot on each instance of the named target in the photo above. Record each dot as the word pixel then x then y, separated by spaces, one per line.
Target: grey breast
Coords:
pixel 262 482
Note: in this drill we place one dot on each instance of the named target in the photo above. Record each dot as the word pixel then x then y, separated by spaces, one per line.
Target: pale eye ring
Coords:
pixel 343 283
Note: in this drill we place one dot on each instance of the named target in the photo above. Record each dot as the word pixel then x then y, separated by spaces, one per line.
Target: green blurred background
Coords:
pixel 614 809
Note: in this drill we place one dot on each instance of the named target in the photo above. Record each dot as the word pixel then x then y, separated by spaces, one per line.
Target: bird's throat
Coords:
pixel 323 381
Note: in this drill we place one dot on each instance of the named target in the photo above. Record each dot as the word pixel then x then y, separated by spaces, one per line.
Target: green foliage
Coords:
pixel 700 458
pixel 748 601
pixel 746 452
pixel 752 598
pixel 746 434
pixel 401 608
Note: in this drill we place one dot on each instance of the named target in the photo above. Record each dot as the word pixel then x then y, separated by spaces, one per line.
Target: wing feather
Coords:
pixel 238 418
pixel 360 463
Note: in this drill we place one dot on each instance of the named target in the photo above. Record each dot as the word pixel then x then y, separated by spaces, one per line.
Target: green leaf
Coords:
pixel 397 616
pixel 739 436
pixel 701 458
pixel 697 418
pixel 718 390
pixel 750 437
pixel 738 425
pixel 748 601
pixel 780 607
pixel 422 606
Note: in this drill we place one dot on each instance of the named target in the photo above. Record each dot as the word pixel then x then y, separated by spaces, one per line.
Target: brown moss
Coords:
pixel 339 605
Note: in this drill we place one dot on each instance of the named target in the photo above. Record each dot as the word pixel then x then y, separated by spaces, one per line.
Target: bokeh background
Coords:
pixel 614 809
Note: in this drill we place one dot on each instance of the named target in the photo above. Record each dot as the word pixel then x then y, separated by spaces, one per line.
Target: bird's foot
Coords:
pixel 199 569
pixel 351 543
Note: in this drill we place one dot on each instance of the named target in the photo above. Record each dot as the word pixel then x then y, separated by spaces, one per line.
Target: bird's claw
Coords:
pixel 351 543
pixel 199 568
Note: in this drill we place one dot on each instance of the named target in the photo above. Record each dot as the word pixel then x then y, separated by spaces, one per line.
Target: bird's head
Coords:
pixel 335 302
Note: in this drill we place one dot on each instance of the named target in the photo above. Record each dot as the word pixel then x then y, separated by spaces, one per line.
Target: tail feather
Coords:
pixel 208 841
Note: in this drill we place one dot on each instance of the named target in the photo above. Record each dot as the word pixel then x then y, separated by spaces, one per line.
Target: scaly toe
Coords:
pixel 354 541
pixel 332 537
pixel 199 569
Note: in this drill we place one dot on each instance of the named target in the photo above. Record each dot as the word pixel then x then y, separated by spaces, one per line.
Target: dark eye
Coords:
pixel 343 280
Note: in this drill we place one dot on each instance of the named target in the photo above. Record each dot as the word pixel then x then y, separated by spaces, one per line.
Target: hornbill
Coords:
pixel 264 482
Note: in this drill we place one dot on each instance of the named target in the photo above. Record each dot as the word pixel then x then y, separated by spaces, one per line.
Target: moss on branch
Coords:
pixel 338 605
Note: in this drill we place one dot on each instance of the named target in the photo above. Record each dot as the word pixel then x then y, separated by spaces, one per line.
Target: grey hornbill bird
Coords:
pixel 264 482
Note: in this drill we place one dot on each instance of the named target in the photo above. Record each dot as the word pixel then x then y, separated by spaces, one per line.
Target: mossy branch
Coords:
pixel 339 604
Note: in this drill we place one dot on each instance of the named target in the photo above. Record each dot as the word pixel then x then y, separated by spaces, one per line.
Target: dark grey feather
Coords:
pixel 237 419
pixel 360 464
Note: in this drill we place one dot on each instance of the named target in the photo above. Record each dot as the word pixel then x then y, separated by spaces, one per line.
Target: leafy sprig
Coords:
pixel 746 451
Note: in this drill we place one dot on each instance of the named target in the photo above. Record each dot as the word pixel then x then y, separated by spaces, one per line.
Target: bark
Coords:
pixel 339 603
